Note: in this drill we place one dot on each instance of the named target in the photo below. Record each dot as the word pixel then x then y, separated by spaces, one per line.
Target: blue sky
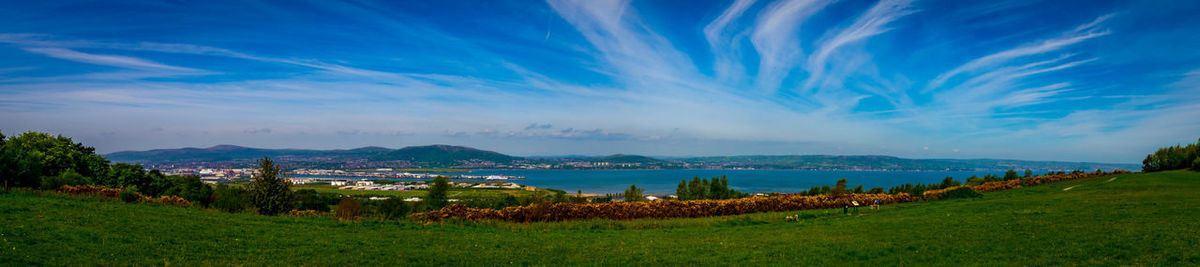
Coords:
pixel 1043 80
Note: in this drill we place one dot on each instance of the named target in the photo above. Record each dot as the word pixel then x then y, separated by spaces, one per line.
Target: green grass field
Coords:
pixel 1134 219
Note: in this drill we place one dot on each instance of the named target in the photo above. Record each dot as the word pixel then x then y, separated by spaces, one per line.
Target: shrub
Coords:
pixel 348 209
pixel 1196 164
pixel 68 177
pixel 230 199
pixel 190 187
pixel 974 180
pixel 656 209
pixel 130 195
pixel 961 192
pixel 393 208
pixel 173 201
pixel 308 199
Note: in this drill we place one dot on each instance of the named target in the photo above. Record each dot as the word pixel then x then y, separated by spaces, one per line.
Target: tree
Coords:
pixel 634 194
pixel 159 183
pixel 696 189
pixel 230 199
pixel 682 192
pixel 191 188
pixel 973 180
pixel 950 182
pixel 1011 175
pixel 69 177
pixel 308 199
pixel 1028 173
pixel 393 208
pixel 714 189
pixel 839 189
pixel 125 174
pixel 437 193
pixel 270 193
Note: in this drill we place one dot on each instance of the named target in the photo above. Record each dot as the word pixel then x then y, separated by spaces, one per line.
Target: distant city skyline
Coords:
pixel 1095 81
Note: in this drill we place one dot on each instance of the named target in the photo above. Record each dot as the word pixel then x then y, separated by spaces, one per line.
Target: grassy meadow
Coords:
pixel 1128 219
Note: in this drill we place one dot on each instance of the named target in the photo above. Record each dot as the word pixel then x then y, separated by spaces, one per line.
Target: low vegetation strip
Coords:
pixel 659 209
pixel 1018 183
pixel 704 208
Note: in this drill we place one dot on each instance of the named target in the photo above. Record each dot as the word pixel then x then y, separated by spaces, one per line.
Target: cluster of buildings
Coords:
pixel 390 173
pixel 397 186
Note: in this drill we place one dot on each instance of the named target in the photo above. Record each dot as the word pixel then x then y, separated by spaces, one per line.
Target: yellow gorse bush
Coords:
pixel 115 192
pixel 304 213
pixel 88 189
pixel 657 209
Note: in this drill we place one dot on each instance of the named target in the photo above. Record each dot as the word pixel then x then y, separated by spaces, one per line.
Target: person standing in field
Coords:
pixel 876 205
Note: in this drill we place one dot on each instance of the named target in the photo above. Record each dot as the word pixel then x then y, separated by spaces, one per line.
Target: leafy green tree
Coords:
pixel 125 174
pixel 714 189
pixel 191 188
pixel 308 199
pixel 634 194
pixel 68 177
pixel 270 193
pixel 1011 175
pixel 231 199
pixel 158 184
pixel 696 189
pixel 437 193
pixel 839 189
pixel 26 158
pixel 393 208
pixel 1028 173
pixel 682 191
pixel 950 182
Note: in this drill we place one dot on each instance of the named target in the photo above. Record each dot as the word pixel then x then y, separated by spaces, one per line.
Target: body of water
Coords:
pixel 750 181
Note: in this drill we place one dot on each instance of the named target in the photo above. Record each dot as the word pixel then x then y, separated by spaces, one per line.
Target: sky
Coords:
pixel 1093 81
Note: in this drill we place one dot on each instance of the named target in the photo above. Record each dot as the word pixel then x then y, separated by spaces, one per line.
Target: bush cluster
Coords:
pixel 961 192
pixel 657 209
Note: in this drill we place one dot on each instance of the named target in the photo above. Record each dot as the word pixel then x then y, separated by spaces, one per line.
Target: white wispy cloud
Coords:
pixel 107 60
pixel 775 39
pixel 872 22
pixel 726 51
pixel 1081 33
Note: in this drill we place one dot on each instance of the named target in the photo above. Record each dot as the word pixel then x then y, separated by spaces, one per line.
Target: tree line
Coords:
pixel 48 162
pixel 1173 158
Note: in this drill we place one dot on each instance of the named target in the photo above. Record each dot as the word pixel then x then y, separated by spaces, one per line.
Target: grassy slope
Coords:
pixel 1136 219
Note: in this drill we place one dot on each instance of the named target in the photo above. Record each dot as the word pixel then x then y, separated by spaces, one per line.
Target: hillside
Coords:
pixel 415 156
pixel 833 162
pixel 1068 223
pixel 623 158
pixel 443 155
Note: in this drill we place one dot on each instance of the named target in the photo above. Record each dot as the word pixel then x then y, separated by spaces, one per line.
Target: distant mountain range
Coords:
pixel 466 157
